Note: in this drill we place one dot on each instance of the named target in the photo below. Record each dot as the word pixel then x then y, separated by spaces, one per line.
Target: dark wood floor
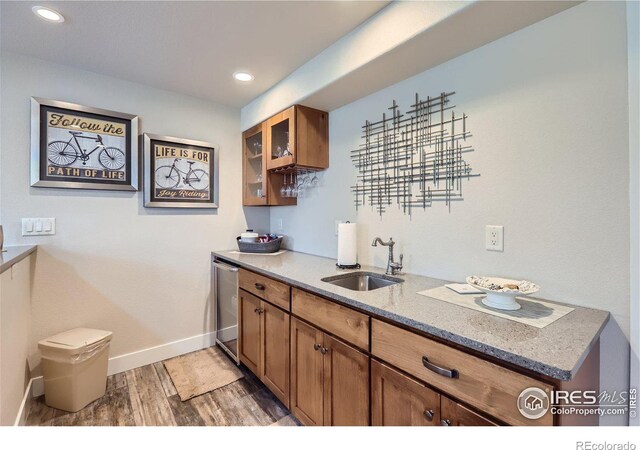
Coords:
pixel 146 396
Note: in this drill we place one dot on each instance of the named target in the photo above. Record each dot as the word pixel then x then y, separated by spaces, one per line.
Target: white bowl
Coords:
pixel 499 297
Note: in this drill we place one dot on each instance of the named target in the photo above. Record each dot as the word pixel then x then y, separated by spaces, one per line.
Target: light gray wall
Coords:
pixel 548 110
pixel 141 273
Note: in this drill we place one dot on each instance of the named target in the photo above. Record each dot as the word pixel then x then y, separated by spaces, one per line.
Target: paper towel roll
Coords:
pixel 347 244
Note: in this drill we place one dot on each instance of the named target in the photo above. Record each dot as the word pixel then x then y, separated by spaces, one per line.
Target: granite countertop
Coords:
pixel 556 350
pixel 14 254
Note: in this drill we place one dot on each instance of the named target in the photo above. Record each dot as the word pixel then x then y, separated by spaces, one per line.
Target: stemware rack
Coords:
pixel 295 180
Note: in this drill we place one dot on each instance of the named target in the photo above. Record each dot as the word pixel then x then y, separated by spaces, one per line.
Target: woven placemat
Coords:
pixel 534 312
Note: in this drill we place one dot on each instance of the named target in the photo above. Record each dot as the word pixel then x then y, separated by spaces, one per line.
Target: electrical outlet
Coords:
pixel 494 238
pixel 38 227
pixel 337 222
pixel 280 225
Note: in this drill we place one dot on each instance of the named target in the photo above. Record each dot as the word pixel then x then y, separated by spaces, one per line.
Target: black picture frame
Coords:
pixel 179 173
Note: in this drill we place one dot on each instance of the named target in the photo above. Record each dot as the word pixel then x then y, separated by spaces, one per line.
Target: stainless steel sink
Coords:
pixel 362 281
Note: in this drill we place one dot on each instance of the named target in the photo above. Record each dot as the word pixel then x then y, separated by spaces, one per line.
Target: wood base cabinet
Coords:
pixel 397 400
pixel 250 331
pixel 274 351
pixel 264 343
pixel 455 414
pixel 307 370
pixel 329 379
pixel 331 364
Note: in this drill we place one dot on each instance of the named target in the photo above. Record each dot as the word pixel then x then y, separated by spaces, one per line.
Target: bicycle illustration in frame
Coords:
pixel 179 173
pixel 80 147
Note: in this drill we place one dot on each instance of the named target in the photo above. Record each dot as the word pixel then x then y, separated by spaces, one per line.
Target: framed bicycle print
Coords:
pixel 179 173
pixel 79 147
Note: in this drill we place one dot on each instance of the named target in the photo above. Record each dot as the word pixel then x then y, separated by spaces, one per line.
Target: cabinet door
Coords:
pixel 281 139
pixel 274 355
pixel 454 414
pixel 306 373
pixel 346 385
pixel 250 331
pixel 397 400
pixel 254 166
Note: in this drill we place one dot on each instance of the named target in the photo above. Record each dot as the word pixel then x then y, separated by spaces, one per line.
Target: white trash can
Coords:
pixel 74 366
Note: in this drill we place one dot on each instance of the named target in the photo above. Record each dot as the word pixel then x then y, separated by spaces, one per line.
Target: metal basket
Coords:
pixel 259 247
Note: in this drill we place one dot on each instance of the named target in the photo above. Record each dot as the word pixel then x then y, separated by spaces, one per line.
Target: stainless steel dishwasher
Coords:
pixel 225 299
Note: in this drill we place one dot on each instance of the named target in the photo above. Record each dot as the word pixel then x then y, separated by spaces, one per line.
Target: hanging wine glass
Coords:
pixel 283 187
pixel 291 190
pixel 314 181
pixel 300 187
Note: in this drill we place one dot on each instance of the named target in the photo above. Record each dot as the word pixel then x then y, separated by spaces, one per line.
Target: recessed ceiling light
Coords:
pixel 243 76
pixel 47 14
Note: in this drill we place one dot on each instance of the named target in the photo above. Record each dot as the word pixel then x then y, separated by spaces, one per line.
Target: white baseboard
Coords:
pixel 152 355
pixel 147 356
pixel 25 406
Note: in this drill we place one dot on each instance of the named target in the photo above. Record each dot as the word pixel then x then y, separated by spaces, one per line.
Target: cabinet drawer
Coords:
pixel 270 290
pixel 336 319
pixel 487 386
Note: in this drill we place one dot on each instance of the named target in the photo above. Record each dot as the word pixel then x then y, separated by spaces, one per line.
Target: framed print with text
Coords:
pixel 179 173
pixel 80 147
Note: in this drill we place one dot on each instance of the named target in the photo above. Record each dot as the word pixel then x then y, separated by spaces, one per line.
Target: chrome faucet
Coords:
pixel 392 266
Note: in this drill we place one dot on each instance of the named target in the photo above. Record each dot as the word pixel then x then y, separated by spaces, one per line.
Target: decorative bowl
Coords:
pixel 502 292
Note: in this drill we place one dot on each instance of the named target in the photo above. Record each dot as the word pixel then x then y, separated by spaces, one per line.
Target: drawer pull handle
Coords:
pixel 258 310
pixel 445 422
pixel 260 286
pixel 428 413
pixel 449 373
pixel 324 350
pixel 317 347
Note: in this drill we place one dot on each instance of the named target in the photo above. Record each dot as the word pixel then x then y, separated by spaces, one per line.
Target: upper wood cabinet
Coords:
pixel 298 136
pixel 259 187
pixel 254 170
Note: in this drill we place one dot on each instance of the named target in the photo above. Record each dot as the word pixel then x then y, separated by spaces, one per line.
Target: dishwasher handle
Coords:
pixel 224 267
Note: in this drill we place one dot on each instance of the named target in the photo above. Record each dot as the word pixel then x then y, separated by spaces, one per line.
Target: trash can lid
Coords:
pixel 75 339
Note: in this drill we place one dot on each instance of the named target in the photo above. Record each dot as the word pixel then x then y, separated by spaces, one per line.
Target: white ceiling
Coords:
pixel 187 47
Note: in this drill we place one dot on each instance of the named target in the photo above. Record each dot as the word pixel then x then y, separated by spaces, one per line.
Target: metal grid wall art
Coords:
pixel 413 159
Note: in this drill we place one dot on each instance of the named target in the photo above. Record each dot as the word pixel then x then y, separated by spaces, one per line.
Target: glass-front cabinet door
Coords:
pixel 281 139
pixel 254 165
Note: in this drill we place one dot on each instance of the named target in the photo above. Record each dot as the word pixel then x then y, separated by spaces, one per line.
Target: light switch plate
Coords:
pixel 494 238
pixel 39 226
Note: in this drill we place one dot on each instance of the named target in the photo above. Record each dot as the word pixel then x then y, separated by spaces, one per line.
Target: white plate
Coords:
pixel 505 298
